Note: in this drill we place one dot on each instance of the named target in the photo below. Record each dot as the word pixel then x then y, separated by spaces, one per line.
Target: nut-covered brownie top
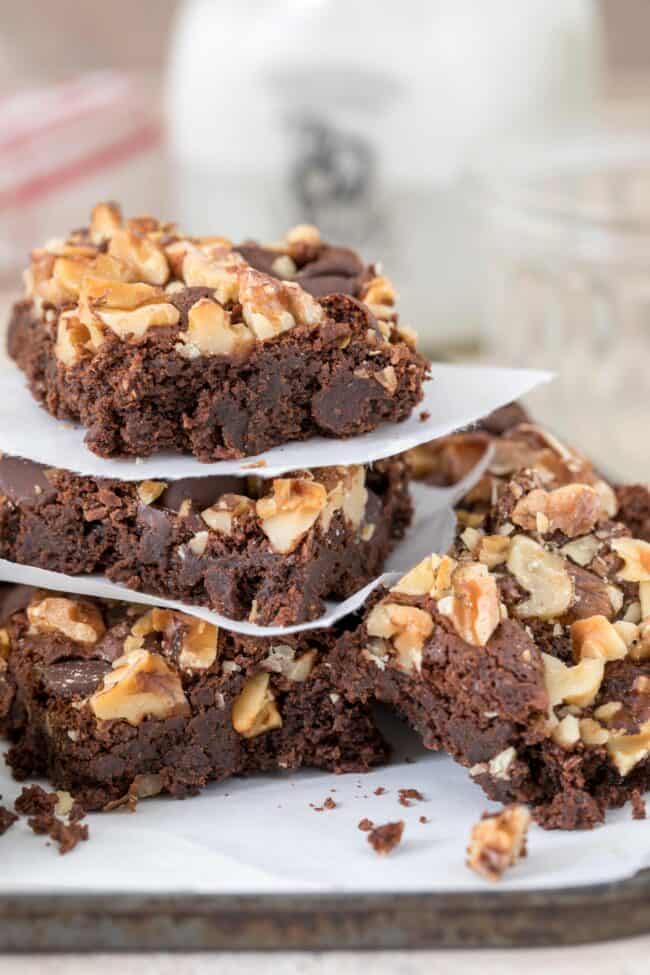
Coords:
pixel 132 278
pixel 554 589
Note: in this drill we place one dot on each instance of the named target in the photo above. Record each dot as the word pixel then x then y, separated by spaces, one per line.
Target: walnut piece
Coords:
pixel 198 643
pixel 139 252
pixel 289 512
pixel 221 517
pixel 572 685
pixel 595 638
pixel 150 491
pixel 544 575
pixel 573 510
pixel 636 555
pixel 474 605
pixel 78 621
pixel 493 550
pixel 498 841
pixel 407 627
pixel 566 733
pixel 210 331
pixel 626 751
pixel 430 577
pixel 270 307
pixel 105 219
pixel 129 310
pixel 254 711
pixel 141 685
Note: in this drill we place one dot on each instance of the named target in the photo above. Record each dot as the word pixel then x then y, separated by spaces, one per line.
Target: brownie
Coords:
pixel 524 652
pixel 634 508
pixel 156 341
pixel 266 550
pixel 113 702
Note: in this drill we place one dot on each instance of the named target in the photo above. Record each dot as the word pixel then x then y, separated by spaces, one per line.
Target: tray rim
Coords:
pixel 325 922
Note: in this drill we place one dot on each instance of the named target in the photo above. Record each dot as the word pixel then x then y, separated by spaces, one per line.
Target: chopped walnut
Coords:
pixel 271 307
pixel 596 638
pixel 636 556
pixel 210 331
pixel 498 841
pixel 582 550
pixel 141 685
pixel 289 512
pixel 474 605
pixel 544 575
pixel 78 621
pixel 566 733
pixel 254 711
pixel 626 751
pixel 592 733
pixel 572 685
pixel 221 517
pixel 142 254
pixel 198 644
pixel 493 550
pixel 407 627
pixel 150 491
pixel 105 219
pixel 573 510
pixel 128 310
pixel 430 577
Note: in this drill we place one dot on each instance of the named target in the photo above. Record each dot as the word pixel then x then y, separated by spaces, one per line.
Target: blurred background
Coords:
pixel 495 157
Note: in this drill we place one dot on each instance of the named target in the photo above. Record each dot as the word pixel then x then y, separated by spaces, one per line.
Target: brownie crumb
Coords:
pixel 384 839
pixel 65 836
pixel 380 791
pixel 406 795
pixel 35 801
pixel 424 416
pixel 329 803
pixel 638 805
pixel 7 819
pixel 498 840
pixel 423 820
pixel 365 825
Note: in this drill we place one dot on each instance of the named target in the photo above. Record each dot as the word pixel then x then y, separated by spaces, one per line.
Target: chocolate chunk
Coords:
pixel 24 481
pixel 73 678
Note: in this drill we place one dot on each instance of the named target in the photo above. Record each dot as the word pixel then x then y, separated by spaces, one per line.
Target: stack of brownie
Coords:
pixel 523 652
pixel 154 341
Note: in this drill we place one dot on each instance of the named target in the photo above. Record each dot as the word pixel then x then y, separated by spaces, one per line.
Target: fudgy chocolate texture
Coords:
pixel 154 341
pixel 113 705
pixel 524 652
pixel 248 548
pixel 634 508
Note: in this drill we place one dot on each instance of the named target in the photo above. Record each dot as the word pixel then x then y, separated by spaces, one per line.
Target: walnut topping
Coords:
pixel 198 543
pixel 210 331
pixel 566 733
pixel 636 555
pixel 127 309
pixel 474 608
pixel 596 638
pixel 140 685
pixel 198 641
pixel 302 239
pixel 355 495
pixel 198 644
pixel 493 550
pixel 221 517
pixel 289 512
pixel 219 271
pixel 572 685
pixel 431 577
pixel 105 219
pixel 75 340
pixel 271 307
pixel 626 751
pixel 5 643
pixel 592 733
pixel 545 577
pixel 406 626
pixel 78 621
pixel 498 841
pixel 150 491
pixel 282 660
pixel 573 510
pixel 254 711
pixel 145 257
pixel 582 550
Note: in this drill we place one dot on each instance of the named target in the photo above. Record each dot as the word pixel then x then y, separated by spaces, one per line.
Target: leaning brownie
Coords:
pixel 266 550
pixel 114 702
pixel 524 652
pixel 154 341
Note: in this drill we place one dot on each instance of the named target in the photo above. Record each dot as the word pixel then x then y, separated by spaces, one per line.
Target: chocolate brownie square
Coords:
pixel 266 550
pixel 524 652
pixel 153 340
pixel 114 702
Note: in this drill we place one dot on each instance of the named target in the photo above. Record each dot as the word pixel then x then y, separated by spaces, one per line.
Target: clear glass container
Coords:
pixel 566 261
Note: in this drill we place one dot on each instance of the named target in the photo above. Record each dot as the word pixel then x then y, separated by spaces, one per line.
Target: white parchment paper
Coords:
pixel 432 530
pixel 261 835
pixel 454 397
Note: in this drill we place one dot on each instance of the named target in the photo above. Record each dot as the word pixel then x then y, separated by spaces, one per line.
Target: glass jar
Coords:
pixel 566 235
